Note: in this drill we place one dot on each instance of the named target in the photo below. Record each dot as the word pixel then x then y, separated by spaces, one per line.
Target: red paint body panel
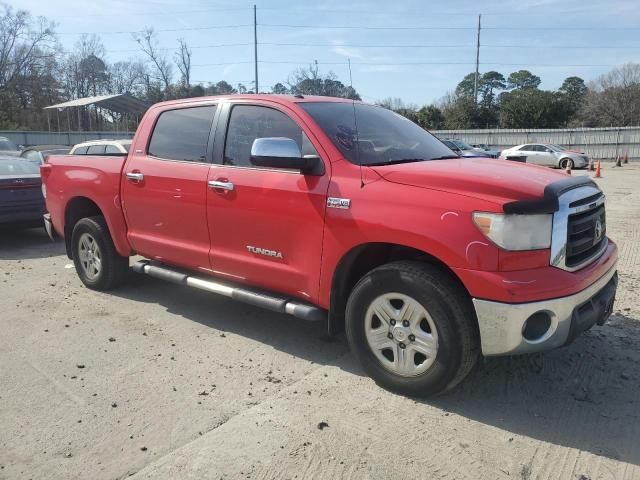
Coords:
pixel 173 216
pixel 535 284
pixel 95 178
pixel 166 212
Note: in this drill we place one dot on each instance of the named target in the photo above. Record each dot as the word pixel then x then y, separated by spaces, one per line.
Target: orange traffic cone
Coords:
pixel 568 169
pixel 626 157
pixel 597 175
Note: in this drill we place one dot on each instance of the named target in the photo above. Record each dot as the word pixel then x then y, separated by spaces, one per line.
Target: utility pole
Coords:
pixel 350 78
pixel 475 80
pixel 255 43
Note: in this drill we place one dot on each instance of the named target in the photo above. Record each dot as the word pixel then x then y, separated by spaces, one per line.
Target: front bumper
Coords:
pixel 502 325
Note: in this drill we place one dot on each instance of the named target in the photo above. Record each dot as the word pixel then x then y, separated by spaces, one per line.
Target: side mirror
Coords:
pixel 280 152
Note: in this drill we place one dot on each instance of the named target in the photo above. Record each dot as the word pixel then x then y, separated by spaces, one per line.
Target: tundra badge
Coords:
pixel 333 202
pixel 264 251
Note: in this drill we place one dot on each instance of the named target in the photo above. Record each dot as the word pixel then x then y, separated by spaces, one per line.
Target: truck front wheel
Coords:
pixel 97 262
pixel 412 327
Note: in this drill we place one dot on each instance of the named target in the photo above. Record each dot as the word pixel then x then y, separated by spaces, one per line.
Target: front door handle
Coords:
pixel 216 184
pixel 135 177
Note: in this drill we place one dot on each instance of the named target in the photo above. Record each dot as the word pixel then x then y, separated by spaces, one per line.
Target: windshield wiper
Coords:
pixel 394 162
pixel 446 157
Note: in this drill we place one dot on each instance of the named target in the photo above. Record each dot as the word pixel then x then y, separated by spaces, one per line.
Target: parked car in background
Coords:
pixel 547 154
pixel 484 148
pixel 39 154
pixel 465 150
pixel 456 149
pixel 102 147
pixel 7 147
pixel 21 199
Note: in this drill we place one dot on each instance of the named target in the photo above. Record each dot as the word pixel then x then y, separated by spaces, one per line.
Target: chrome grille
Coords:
pixel 579 228
pixel 586 232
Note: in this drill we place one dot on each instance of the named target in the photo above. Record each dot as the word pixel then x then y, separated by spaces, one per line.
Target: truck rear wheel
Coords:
pixel 412 327
pixel 97 262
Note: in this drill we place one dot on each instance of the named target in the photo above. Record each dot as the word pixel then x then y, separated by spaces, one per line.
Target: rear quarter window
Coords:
pixel 96 150
pixel 80 151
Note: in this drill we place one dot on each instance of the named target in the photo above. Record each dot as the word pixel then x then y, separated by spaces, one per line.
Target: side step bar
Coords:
pixel 242 294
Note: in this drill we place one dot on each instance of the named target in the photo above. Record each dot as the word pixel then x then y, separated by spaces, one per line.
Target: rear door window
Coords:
pixel 182 134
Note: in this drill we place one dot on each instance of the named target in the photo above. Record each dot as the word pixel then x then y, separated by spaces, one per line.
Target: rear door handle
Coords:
pixel 135 177
pixel 216 184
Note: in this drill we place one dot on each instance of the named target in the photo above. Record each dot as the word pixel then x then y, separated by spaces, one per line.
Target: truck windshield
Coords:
pixel 370 135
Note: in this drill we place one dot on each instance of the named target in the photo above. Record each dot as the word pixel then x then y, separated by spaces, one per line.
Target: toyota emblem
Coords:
pixel 597 231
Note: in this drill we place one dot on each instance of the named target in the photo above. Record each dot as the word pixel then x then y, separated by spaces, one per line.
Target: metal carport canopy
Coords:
pixel 121 103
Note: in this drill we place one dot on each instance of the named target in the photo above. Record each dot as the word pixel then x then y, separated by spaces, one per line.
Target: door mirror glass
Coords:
pixel 280 152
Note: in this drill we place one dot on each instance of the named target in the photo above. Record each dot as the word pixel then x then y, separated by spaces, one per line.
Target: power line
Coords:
pixel 185 29
pixel 365 27
pixel 291 62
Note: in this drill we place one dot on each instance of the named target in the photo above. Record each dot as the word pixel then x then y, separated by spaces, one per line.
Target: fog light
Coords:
pixel 536 326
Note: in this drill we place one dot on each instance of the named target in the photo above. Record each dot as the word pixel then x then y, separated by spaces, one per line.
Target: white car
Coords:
pixel 546 154
pixel 102 147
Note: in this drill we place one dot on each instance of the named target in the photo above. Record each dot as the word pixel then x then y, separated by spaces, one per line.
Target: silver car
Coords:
pixel 547 154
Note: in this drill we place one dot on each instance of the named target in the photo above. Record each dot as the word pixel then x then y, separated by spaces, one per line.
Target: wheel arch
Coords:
pixel 363 258
pixel 76 209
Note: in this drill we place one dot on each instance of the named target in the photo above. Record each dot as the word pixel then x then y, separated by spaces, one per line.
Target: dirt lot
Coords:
pixel 162 382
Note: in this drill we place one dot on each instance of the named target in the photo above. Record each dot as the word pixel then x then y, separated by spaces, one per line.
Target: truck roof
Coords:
pixel 262 96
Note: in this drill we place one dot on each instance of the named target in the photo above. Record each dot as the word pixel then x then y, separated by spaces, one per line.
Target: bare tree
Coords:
pixel 183 61
pixel 161 65
pixel 127 77
pixel 24 43
pixel 613 99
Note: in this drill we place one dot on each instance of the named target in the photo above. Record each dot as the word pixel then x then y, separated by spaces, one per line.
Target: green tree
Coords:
pixel 459 112
pixel 279 89
pixel 533 108
pixel 430 117
pixel 574 90
pixel 523 79
pixel 466 86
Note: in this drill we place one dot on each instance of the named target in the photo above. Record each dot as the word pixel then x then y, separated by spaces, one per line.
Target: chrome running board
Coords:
pixel 242 294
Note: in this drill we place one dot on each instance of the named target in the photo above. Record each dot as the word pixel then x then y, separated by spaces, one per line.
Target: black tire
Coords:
pixel 451 310
pixel 114 267
pixel 566 161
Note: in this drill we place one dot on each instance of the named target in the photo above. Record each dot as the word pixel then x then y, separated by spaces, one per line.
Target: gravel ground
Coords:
pixel 156 381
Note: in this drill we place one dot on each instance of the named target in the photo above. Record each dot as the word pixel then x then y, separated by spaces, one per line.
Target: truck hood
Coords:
pixel 493 180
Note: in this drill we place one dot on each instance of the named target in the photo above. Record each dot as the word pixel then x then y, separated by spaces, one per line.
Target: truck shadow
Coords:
pixel 585 396
pixel 302 339
pixel 27 243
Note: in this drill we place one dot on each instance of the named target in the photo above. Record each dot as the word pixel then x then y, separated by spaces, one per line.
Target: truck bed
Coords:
pixel 79 178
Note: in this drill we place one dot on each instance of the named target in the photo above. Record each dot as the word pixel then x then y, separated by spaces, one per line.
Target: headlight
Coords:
pixel 515 232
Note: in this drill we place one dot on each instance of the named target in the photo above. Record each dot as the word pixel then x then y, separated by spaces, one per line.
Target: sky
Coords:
pixel 415 50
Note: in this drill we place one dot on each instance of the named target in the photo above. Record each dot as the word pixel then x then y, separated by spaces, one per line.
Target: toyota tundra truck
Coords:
pixel 346 213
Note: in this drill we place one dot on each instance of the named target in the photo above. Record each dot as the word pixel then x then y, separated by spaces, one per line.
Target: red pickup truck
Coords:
pixel 347 213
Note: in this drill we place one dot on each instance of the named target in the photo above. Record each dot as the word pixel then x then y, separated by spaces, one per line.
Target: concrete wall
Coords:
pixel 598 143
